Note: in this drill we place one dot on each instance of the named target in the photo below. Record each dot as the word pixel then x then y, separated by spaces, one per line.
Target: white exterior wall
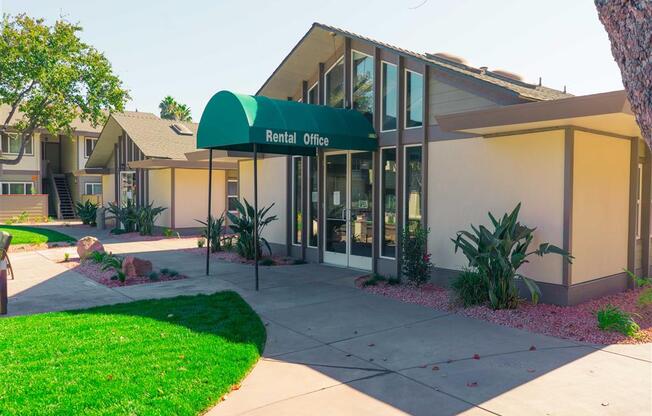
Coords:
pixel 272 177
pixel 160 194
pixel 191 196
pixel 467 178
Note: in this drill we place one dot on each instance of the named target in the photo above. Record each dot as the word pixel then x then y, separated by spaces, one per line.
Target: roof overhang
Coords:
pixel 182 164
pixel 605 112
pixel 220 155
pixel 103 150
pixel 91 172
pixel 236 122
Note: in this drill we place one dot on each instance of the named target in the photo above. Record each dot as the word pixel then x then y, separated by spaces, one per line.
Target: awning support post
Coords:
pixel 208 217
pixel 256 213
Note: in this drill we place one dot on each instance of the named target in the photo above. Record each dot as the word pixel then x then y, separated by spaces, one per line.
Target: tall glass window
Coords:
pixel 297 199
pixel 389 96
pixel 312 95
pixel 363 84
pixel 312 206
pixel 413 99
pixel 413 181
pixel 335 85
pixel 388 203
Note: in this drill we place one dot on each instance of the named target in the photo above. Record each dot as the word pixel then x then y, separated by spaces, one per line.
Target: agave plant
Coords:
pixel 497 255
pixel 217 228
pixel 145 217
pixel 126 215
pixel 243 225
pixel 87 212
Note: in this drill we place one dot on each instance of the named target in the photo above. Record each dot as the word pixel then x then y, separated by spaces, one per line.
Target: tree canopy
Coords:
pixel 49 77
pixel 629 26
pixel 171 109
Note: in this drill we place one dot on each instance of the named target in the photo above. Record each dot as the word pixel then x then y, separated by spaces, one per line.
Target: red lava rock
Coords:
pixel 372 345
pixel 472 384
pixel 476 356
pixel 133 266
pixel 435 368
pixel 533 348
pixel 87 245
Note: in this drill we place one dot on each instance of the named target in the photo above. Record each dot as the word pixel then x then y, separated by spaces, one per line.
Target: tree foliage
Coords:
pixel 171 109
pixel 49 77
pixel 629 26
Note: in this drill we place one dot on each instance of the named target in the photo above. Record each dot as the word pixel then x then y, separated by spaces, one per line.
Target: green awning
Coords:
pixel 235 122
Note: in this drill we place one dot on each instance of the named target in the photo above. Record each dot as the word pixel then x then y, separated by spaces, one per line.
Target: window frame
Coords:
pixel 231 196
pixel 405 218
pixel 382 89
pixel 337 62
pixel 373 81
pixel 405 102
pixel 16 136
pixel 309 193
pixel 294 240
pixel 86 140
pixel 9 183
pixel 314 87
pixel 92 184
pixel 381 210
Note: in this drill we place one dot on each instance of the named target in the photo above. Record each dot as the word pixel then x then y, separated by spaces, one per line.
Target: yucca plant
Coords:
pixel 217 228
pixel 243 225
pixel 145 217
pixel 497 255
pixel 87 212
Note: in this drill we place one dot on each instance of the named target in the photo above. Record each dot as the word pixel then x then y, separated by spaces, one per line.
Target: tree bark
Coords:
pixel 629 26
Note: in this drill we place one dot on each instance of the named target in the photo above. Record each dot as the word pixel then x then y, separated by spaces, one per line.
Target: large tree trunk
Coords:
pixel 629 25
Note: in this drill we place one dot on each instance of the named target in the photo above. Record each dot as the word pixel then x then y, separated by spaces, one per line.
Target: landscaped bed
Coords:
pixel 171 356
pixel 577 322
pixel 232 256
pixel 106 277
pixel 37 236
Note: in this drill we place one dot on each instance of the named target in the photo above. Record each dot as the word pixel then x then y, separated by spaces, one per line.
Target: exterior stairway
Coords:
pixel 66 209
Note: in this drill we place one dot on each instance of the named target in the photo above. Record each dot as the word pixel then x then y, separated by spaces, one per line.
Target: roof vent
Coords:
pixel 508 74
pixel 181 129
pixel 454 59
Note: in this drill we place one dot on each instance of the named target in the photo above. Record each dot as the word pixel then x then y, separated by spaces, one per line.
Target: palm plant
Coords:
pixel 243 225
pixel 217 228
pixel 497 255
pixel 173 110
pixel 146 215
pixel 87 212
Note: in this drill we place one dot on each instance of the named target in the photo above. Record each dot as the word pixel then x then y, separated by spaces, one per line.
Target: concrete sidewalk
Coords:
pixel 333 349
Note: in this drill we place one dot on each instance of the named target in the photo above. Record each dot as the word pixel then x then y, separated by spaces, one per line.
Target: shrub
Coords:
pixel 23 217
pixel 165 270
pixel 153 276
pixel 66 257
pixel 145 217
pixel 612 318
pixel 498 254
pixel 374 280
pixel 171 272
pixel 87 212
pixel 201 242
pixel 97 256
pixel 217 228
pixel 125 215
pixel 645 298
pixel 114 262
pixel 415 259
pixel 470 288
pixel 168 232
pixel 243 225
pixel 297 262
pixel 267 261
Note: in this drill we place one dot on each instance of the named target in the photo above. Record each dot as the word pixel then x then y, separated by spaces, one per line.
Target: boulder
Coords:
pixel 133 266
pixel 87 245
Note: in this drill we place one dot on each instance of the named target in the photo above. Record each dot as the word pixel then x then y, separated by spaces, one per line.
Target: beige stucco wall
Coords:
pixel 108 189
pixel 600 206
pixel 160 193
pixel 272 177
pixel 468 178
pixel 191 196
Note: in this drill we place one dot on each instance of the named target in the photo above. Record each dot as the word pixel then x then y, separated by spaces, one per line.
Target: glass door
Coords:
pixel 349 203
pixel 127 187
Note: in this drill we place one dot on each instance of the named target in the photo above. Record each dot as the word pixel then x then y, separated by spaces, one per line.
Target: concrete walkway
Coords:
pixel 333 349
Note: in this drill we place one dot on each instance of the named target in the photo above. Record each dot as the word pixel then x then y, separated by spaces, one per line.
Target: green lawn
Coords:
pixel 34 235
pixel 155 357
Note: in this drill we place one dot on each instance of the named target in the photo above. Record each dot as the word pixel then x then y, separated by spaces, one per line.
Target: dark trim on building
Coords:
pixel 424 149
pixel 288 204
pixel 567 237
pixel 633 191
pixel 595 288
pixel 646 197
pixel 173 198
pixel 400 152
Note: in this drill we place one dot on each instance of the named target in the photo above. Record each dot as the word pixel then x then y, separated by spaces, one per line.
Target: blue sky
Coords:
pixel 191 49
